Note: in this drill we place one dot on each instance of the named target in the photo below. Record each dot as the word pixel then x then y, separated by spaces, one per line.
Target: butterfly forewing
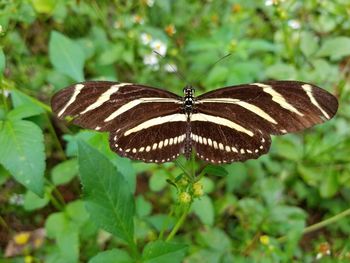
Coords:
pixel 109 106
pixel 274 107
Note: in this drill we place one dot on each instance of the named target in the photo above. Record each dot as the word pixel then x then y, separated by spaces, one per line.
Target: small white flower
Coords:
pixel 268 2
pixel 171 68
pixel 16 199
pixel 137 19
pixel 152 61
pixel 273 2
pixel 5 92
pixel 1 29
pixel 117 24
pixel 146 38
pixel 295 24
pixel 150 3
pixel 159 46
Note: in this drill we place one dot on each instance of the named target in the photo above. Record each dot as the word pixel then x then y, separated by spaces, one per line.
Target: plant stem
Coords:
pixel 3 95
pixel 179 223
pixel 55 138
pixel 165 224
pixel 321 224
pixel 134 251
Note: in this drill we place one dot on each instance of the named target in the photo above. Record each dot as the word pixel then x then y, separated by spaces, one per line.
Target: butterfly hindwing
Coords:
pixel 159 143
pixel 216 143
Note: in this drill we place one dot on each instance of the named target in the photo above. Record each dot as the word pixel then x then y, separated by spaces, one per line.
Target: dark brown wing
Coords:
pixel 145 123
pixel 109 106
pixel 242 116
pixel 157 140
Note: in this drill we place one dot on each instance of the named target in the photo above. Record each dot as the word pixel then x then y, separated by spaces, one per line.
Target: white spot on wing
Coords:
pixel 234 149
pixel 205 141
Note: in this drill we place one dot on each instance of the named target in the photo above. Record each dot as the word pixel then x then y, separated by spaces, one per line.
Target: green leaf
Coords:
pixel 160 251
pixel 143 207
pixel 66 56
pixel 2 61
pixel 204 209
pixel 214 170
pixel 216 239
pixel 308 43
pixel 158 181
pixel 20 99
pixel 44 6
pixel 107 194
pixel 281 71
pixel 17 154
pixel 33 202
pixel 24 111
pixel 112 256
pixel 61 228
pixel 335 47
pixel 64 172
pixel 329 184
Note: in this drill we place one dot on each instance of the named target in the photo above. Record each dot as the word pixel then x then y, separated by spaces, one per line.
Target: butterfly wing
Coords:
pixel 244 116
pixel 145 123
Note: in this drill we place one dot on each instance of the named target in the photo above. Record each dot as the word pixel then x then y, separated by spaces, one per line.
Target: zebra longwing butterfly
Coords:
pixel 222 126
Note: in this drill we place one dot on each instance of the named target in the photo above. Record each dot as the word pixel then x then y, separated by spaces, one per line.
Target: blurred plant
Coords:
pixel 291 205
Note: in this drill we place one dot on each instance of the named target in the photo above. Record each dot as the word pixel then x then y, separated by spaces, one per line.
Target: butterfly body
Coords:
pixel 221 126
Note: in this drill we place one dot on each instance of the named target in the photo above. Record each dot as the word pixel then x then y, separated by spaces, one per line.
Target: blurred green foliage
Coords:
pixel 257 211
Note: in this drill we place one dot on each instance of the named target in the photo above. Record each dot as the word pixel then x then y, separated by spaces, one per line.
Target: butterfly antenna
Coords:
pixel 219 60
pixel 178 73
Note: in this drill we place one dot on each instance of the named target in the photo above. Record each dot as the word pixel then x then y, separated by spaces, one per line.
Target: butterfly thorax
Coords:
pixel 188 100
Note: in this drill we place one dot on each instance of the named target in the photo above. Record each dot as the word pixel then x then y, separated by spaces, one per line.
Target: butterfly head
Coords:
pixel 188 99
pixel 188 91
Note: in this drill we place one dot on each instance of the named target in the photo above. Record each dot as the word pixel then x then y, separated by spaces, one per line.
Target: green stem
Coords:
pixel 321 224
pixel 134 251
pixel 57 203
pixel 179 223
pixel 165 224
pixel 55 137
pixel 3 95
pixel 188 174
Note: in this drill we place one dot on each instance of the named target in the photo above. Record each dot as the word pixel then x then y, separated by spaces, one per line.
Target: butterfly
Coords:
pixel 222 126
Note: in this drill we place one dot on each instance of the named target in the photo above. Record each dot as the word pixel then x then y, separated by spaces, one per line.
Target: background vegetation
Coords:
pixel 289 205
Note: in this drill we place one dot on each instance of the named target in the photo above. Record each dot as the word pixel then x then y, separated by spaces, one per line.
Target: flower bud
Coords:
pixel 185 198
